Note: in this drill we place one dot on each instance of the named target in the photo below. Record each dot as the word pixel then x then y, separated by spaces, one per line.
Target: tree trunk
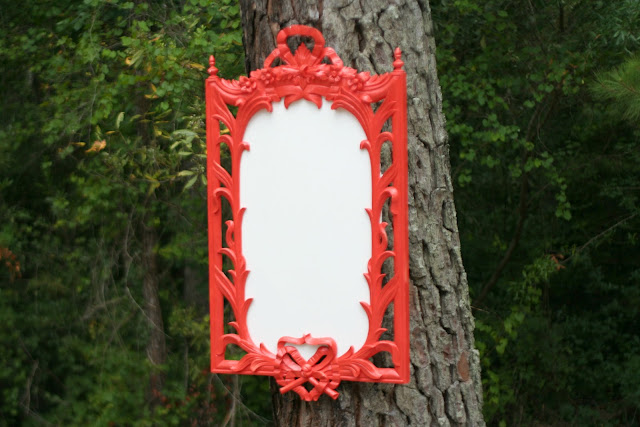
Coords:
pixel 156 346
pixel 445 387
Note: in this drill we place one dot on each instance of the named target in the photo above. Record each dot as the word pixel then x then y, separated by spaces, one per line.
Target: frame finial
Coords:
pixel 398 63
pixel 213 71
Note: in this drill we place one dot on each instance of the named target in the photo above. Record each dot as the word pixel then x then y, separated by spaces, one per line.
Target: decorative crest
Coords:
pixel 302 56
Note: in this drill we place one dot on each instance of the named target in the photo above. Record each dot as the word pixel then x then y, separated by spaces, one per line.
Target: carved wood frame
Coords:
pixel 314 75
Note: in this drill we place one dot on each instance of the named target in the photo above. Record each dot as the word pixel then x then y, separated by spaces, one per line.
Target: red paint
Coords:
pixel 302 75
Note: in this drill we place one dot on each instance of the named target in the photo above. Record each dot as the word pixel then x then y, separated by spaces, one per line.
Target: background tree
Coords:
pixel 445 384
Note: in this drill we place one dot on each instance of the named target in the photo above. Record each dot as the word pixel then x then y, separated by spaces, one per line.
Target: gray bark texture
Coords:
pixel 445 387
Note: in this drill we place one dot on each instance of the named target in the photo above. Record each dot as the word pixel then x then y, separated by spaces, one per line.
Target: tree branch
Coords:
pixel 522 215
pixel 599 235
pixel 535 123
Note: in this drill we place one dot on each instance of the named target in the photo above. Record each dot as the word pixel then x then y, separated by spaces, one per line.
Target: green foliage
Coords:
pixel 622 86
pixel 548 187
pixel 102 137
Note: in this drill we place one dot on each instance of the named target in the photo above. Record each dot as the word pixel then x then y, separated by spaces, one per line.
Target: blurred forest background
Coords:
pixel 103 245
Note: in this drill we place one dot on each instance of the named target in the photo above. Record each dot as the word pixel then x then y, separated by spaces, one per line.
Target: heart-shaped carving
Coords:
pixel 319 370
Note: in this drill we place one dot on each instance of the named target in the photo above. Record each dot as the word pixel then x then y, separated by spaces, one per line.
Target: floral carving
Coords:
pixel 314 75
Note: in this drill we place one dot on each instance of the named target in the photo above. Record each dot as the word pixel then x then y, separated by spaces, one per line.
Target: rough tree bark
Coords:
pixel 445 387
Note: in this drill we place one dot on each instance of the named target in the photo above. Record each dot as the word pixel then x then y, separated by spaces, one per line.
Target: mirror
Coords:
pixel 306 179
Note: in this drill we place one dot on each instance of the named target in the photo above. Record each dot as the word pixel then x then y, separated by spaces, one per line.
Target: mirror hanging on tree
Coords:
pixel 297 243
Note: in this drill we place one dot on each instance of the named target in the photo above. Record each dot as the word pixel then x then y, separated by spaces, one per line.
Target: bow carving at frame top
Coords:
pixel 302 57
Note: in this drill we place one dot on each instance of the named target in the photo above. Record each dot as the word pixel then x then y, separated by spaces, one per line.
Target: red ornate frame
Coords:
pixel 313 75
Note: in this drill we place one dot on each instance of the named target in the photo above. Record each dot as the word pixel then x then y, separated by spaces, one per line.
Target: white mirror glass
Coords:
pixel 305 184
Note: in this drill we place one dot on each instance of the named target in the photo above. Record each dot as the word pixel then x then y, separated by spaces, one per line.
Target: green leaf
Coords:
pixel 502 345
pixel 119 119
pixel 190 183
